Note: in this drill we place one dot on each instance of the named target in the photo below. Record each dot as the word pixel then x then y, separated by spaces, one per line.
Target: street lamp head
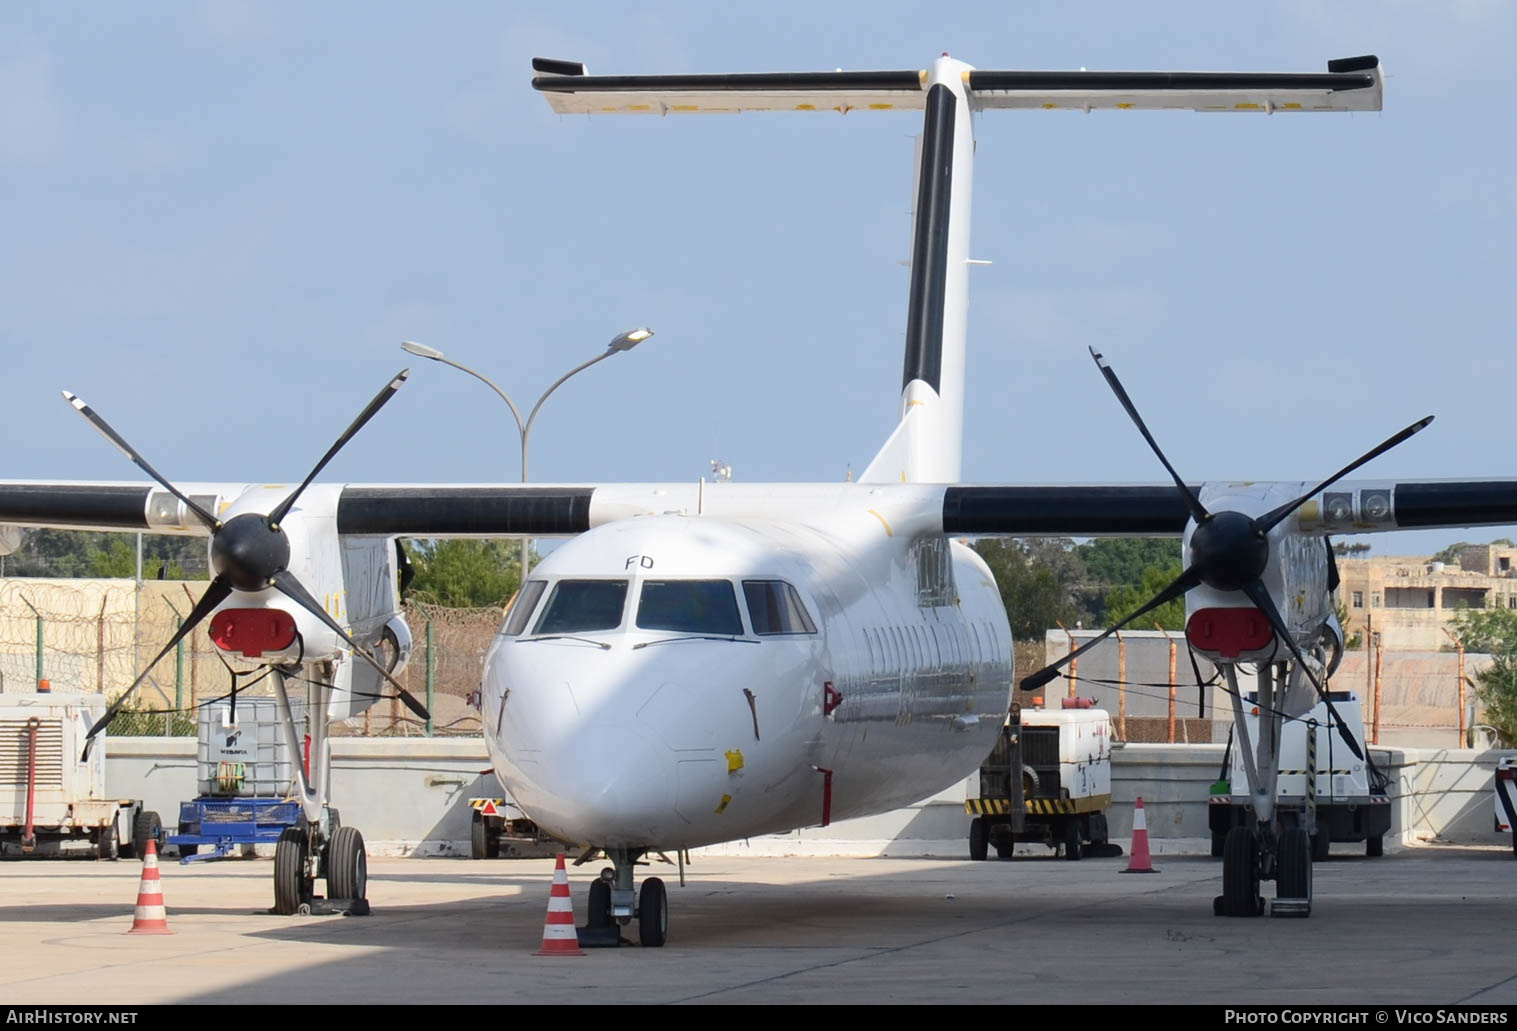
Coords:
pixel 420 350
pixel 630 339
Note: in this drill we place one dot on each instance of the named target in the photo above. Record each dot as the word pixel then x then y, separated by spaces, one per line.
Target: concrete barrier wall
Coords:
pixel 409 795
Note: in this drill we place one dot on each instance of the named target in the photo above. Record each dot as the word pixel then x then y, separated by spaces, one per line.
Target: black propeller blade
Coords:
pixel 1184 582
pixel 215 593
pixel 251 552
pixel 1267 521
pixel 115 438
pixel 291 588
pixel 379 401
pixel 1259 595
pixel 1229 550
pixel 1197 510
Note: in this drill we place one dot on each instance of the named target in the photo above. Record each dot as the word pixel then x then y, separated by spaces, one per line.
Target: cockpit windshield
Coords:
pixel 579 606
pixel 690 607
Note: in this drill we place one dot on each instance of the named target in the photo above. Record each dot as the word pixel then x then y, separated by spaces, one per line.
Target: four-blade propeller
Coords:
pixel 250 552
pixel 1229 552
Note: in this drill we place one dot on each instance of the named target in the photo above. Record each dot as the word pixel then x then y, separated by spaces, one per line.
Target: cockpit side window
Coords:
pixel 579 606
pixel 690 607
pixel 774 607
pixel 521 608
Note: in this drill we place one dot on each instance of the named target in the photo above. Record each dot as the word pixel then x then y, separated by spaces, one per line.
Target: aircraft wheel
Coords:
pixel 979 839
pixel 347 865
pixel 1240 874
pixel 1374 846
pixel 1294 877
pixel 600 905
pixel 1218 841
pixel 291 886
pixel 652 913
pixel 1072 839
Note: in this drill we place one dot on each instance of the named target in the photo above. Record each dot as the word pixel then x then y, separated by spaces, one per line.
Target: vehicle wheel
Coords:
pixel 1006 849
pixel 108 842
pixel 600 905
pixel 1072 839
pixel 652 913
pixel 1098 832
pixel 1322 844
pixel 146 826
pixel 347 865
pixel 291 886
pixel 979 839
pixel 1293 880
pixel 1374 846
pixel 1240 873
pixel 185 851
pixel 479 837
pixel 1218 840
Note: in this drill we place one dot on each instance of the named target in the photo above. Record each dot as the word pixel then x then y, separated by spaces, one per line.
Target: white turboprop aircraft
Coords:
pixel 707 662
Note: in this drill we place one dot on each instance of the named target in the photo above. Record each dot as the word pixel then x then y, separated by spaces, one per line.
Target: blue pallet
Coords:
pixel 226 823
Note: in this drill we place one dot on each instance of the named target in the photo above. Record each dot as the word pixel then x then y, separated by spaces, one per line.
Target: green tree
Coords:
pixel 1125 599
pixel 1494 631
pixel 465 573
pixel 1123 560
pixel 1037 578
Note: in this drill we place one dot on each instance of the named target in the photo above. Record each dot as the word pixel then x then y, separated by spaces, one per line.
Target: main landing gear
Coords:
pixel 318 846
pixel 614 905
pixel 1276 845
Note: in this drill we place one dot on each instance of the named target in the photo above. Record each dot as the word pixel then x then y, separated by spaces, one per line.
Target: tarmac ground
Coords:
pixel 1428 925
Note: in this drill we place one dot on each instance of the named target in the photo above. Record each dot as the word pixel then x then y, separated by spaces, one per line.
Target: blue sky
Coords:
pixel 220 220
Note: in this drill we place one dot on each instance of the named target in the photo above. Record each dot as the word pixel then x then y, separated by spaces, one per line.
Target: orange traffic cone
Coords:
pixel 150 917
pixel 559 936
pixel 1140 862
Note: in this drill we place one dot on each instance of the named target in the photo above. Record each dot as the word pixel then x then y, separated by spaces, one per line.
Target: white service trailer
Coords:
pixel 1335 795
pixel 53 792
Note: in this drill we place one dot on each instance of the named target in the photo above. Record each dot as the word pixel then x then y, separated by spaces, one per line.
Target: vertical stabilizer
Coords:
pixel 927 445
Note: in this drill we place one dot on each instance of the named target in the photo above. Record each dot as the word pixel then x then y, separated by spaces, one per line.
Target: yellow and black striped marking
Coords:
pixel 480 803
pixel 1038 806
pixel 1302 773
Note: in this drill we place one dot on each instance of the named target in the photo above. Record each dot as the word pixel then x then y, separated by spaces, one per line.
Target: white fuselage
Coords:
pixel 626 736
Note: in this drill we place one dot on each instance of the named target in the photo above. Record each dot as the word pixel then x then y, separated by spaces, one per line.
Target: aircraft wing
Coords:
pixel 962 510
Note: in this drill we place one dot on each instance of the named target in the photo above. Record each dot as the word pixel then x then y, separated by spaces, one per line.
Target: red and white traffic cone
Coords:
pixel 559 936
pixel 1140 862
pixel 150 917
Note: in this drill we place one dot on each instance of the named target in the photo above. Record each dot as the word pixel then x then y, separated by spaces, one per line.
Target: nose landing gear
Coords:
pixel 614 905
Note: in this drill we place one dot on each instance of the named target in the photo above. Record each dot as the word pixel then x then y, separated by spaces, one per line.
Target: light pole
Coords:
pixel 619 343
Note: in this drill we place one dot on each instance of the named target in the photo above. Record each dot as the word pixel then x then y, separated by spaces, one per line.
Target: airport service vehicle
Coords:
pixel 1048 780
pixel 498 828
pixel 700 663
pixel 1506 798
pixel 1323 788
pixel 55 793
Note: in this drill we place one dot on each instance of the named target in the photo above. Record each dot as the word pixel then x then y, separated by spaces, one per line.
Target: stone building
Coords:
pixel 1409 600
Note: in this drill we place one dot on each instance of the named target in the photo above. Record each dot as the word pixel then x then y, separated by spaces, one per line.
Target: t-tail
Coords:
pixel 927 443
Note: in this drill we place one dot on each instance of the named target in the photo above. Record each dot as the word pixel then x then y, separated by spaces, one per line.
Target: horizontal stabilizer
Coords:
pixel 1352 84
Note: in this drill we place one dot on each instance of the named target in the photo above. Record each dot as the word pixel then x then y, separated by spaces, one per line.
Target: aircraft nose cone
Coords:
pixel 612 785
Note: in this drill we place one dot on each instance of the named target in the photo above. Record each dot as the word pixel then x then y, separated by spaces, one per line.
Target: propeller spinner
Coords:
pixel 250 552
pixel 1229 551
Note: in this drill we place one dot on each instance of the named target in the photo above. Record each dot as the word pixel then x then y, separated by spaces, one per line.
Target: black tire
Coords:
pixel 1293 878
pixel 1322 844
pixel 347 865
pixel 108 842
pixel 1098 832
pixel 146 826
pixel 979 839
pixel 291 887
pixel 1240 874
pixel 1218 842
pixel 479 837
pixel 1374 845
pixel 1072 839
pixel 187 850
pixel 600 905
pixel 1006 849
pixel 653 913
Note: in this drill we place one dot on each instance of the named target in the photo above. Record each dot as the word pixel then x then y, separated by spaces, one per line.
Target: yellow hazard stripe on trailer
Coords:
pixel 1302 773
pixel 480 803
pixel 1038 806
